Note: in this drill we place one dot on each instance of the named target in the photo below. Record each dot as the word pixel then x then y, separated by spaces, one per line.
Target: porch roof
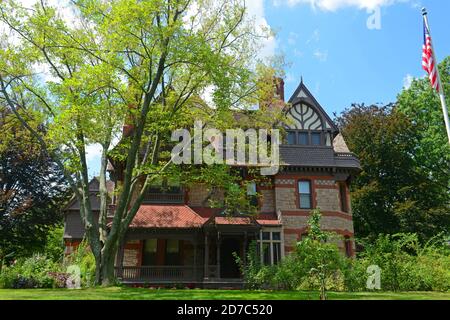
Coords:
pixel 167 216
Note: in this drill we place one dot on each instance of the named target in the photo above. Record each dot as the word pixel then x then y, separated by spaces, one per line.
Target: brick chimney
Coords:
pixel 279 88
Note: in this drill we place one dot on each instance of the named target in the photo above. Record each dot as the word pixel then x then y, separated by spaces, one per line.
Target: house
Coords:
pixel 176 237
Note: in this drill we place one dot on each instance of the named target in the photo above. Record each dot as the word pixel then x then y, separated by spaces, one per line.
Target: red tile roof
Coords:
pixel 166 216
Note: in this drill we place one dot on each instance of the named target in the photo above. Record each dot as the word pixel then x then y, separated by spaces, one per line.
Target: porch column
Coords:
pixel 218 254
pixel 206 275
pixel 195 259
pixel 245 248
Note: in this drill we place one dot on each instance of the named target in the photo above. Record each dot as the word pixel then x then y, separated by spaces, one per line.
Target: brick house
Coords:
pixel 177 238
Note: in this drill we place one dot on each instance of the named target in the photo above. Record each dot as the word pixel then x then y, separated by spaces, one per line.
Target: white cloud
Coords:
pixel 407 81
pixel 321 55
pixel 332 5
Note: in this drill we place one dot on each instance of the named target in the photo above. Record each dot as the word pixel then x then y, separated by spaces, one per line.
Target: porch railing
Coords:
pixel 158 273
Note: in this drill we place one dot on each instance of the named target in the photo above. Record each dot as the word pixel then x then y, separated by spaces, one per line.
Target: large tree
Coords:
pixel 142 62
pixel 422 106
pixel 394 192
pixel 32 190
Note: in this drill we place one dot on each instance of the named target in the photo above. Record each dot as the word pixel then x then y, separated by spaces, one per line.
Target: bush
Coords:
pixel 33 272
pixel 84 259
pixel 54 247
pixel 406 264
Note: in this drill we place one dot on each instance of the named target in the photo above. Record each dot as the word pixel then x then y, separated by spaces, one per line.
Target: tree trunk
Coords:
pixel 107 270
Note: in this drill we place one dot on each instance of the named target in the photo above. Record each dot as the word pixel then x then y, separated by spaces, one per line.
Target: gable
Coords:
pixel 306 113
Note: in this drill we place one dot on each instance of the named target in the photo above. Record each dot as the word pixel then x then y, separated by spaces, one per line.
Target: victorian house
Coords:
pixel 176 237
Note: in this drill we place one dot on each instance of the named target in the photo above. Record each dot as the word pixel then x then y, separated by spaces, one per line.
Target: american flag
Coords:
pixel 428 62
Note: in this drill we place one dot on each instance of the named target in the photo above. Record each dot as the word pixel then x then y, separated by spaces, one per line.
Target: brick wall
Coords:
pixel 267 200
pixel 198 194
pixel 325 195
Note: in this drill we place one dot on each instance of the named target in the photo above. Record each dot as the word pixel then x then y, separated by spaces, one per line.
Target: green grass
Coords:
pixel 124 293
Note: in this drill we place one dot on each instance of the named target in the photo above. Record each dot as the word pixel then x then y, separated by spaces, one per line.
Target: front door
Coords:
pixel 228 267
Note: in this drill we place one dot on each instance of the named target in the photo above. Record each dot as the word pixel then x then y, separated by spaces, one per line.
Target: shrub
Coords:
pixel 406 264
pixel 54 247
pixel 84 259
pixel 32 272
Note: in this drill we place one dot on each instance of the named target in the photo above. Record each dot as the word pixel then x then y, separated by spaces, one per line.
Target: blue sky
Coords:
pixel 341 60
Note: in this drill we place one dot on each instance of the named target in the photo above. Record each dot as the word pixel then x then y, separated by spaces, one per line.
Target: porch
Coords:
pixel 174 257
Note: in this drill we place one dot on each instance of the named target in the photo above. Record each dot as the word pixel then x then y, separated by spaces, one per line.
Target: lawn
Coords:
pixel 125 293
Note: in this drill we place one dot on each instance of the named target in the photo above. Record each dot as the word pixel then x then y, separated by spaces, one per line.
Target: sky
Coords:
pixel 345 55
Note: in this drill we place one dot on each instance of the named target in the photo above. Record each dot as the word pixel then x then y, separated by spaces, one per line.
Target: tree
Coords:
pixel 393 193
pixel 32 189
pixel 321 259
pixel 144 63
pixel 422 106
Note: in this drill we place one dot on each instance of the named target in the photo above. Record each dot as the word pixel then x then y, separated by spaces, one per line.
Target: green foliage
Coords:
pixel 33 272
pixel 83 258
pixel 32 190
pixel 422 106
pixel 394 191
pixel 406 264
pixel 54 246
pixel 252 269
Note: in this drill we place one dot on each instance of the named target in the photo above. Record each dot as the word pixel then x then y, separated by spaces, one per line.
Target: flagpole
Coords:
pixel 441 88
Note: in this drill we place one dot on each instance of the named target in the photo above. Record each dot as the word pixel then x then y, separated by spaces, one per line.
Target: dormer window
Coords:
pixel 303 138
pixel 291 138
pixel 316 138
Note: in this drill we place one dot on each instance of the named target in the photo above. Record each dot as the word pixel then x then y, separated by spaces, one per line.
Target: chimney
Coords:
pixel 279 88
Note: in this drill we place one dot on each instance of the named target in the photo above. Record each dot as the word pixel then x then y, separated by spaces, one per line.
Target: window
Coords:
pixel 269 245
pixel 316 138
pixel 303 138
pixel 304 189
pixel 172 252
pixel 252 194
pixel 343 197
pixel 291 140
pixel 149 256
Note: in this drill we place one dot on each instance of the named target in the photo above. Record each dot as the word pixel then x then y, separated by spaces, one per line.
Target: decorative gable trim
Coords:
pixel 303 96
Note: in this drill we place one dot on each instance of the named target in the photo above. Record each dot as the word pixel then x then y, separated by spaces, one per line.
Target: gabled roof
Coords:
pixel 94 188
pixel 302 94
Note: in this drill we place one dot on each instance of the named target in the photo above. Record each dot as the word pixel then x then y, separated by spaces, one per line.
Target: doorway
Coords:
pixel 229 269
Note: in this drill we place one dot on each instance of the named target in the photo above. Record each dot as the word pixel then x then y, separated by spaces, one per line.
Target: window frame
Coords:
pixel 311 204
pixel 271 242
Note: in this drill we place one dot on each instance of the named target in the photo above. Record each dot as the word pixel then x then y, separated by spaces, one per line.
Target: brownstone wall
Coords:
pixel 325 195
pixel 197 195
